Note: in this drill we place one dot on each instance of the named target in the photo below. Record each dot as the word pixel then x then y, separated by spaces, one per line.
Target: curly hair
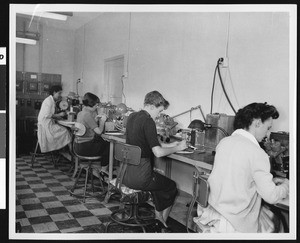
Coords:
pixel 55 88
pixel 155 98
pixel 90 99
pixel 245 116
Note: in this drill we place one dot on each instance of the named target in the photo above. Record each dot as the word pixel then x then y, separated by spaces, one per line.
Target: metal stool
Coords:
pixel 130 216
pixel 89 168
pixel 92 164
pixel 34 154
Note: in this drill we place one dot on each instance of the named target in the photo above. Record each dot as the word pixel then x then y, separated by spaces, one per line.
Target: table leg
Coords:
pixel 110 171
pixel 75 167
pixel 168 168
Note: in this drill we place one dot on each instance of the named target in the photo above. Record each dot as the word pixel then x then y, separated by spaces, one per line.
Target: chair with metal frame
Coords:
pixel 90 164
pixel 129 212
pixel 200 195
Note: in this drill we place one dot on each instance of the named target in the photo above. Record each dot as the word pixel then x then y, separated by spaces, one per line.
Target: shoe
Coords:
pixel 166 230
pixel 161 228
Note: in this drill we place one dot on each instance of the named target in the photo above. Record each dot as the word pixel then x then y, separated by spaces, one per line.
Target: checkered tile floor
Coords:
pixel 44 203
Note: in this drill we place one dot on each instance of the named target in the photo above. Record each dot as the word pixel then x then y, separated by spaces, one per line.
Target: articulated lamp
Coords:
pixel 200 125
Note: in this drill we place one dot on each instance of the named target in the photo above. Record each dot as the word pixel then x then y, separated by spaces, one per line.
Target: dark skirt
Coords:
pixel 95 147
pixel 142 177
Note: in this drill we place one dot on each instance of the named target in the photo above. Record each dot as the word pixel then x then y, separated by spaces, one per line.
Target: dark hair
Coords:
pixel 90 99
pixel 155 98
pixel 55 88
pixel 245 116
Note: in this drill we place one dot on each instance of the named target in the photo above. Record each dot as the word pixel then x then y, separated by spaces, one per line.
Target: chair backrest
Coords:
pixel 79 130
pixel 201 189
pixel 126 154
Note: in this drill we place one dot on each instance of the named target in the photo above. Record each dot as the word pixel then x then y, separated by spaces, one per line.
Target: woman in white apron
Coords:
pixel 52 136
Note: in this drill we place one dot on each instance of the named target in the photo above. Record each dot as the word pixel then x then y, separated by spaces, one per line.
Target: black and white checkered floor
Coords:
pixel 44 203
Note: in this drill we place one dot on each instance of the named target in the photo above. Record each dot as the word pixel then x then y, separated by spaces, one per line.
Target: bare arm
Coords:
pixel 58 116
pixel 168 145
pixel 99 130
pixel 160 151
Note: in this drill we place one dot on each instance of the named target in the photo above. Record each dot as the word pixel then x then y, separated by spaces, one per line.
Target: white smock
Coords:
pixel 240 179
pixel 51 136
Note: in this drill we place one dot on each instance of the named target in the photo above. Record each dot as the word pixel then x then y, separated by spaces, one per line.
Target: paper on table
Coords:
pixel 114 133
pixel 185 152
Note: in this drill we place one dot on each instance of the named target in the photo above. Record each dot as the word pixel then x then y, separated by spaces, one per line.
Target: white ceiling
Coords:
pixel 72 23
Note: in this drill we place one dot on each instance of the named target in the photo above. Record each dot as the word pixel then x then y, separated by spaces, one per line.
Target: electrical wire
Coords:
pixel 122 81
pixel 212 91
pixel 220 76
pixel 229 73
pixel 222 130
pixel 83 61
pixel 219 73
pixel 128 53
pixel 128 47
pixel 227 43
pixel 221 96
pixel 213 87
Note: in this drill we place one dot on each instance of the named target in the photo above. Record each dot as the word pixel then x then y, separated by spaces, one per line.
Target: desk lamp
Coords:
pixel 201 126
pixel 121 118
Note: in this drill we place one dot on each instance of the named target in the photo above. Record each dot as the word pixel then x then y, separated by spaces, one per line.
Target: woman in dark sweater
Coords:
pixel 141 131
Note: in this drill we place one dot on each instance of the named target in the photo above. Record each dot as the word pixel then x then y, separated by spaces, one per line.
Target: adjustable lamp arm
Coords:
pixel 190 110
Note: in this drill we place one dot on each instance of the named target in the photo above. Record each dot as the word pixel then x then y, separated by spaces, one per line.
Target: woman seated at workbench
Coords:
pixel 141 131
pixel 52 136
pixel 91 143
pixel 241 177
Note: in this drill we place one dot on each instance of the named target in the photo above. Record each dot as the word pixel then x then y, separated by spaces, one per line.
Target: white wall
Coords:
pixel 104 38
pixel 53 53
pixel 58 55
pixel 176 54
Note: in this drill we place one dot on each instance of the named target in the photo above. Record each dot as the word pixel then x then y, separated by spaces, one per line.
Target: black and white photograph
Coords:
pixel 159 121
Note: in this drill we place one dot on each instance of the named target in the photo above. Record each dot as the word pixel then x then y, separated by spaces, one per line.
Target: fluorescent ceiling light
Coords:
pixel 25 41
pixel 48 15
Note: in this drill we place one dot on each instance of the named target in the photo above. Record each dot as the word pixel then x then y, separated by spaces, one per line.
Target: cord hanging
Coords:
pixel 217 69
pixel 213 87
pixel 128 53
pixel 220 76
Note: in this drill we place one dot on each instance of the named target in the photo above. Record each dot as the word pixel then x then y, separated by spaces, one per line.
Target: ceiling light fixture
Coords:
pixel 47 15
pixel 25 41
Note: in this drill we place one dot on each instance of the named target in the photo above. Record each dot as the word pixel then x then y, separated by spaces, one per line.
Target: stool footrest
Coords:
pixel 132 220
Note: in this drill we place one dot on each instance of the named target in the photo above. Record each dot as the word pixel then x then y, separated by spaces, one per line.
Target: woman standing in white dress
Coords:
pixel 52 136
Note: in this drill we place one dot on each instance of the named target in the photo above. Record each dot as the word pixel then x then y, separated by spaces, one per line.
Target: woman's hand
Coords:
pixel 102 117
pixel 119 127
pixel 182 145
pixel 279 180
pixel 60 115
